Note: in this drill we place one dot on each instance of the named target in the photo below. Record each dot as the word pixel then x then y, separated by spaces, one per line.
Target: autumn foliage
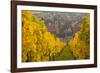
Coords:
pixel 37 43
pixel 79 45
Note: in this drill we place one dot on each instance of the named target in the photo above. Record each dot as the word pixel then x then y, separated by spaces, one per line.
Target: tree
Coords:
pixel 80 43
pixel 37 43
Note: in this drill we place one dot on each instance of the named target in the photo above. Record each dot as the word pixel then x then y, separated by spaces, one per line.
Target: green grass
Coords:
pixel 65 54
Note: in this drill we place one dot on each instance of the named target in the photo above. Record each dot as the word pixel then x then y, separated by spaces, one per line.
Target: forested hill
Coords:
pixel 64 25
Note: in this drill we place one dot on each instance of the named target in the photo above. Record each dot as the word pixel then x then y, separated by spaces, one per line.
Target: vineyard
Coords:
pixel 40 43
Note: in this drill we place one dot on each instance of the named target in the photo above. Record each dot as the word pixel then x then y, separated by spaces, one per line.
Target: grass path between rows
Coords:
pixel 64 55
